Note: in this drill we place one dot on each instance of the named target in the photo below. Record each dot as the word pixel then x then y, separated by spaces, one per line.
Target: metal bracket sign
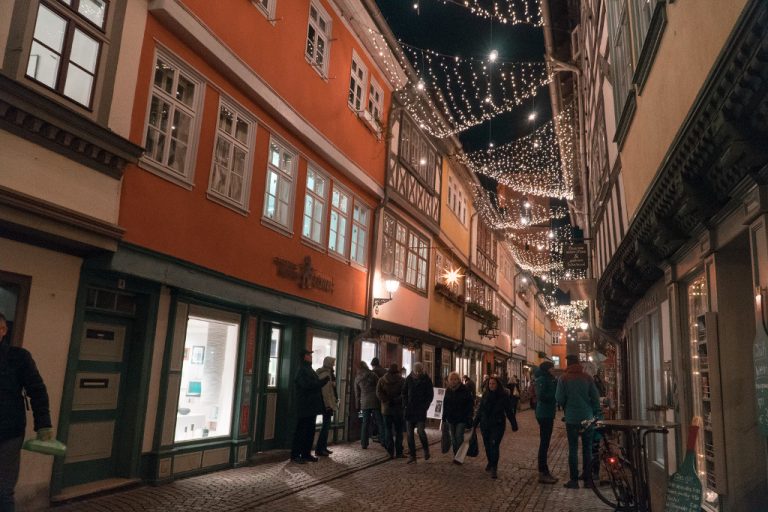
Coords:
pixel 575 257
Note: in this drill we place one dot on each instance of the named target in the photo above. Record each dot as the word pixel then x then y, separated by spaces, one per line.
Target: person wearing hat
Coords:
pixel 309 403
pixel 545 415
pixel 577 394
pixel 389 390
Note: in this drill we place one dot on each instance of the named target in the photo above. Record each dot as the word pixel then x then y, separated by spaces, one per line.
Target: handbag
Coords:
pixel 473 450
pixel 445 440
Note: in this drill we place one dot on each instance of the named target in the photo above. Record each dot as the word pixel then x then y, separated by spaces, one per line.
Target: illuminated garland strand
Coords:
pixel 510 12
pixel 515 214
pixel 467 91
pixel 541 163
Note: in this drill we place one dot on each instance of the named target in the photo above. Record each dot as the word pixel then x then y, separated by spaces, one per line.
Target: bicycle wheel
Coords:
pixel 613 479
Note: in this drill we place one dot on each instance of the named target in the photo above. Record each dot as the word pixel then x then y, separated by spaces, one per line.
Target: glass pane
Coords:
pixel 274 155
pixel 310 50
pixel 207 379
pixel 93 10
pixel 241 131
pixel 164 76
pixel 85 51
pixel 310 180
pixel 50 29
pixel 43 65
pixel 155 144
pixel 319 58
pixel 177 157
pixel 222 152
pixel 226 120
pixel 274 342
pixel 185 91
pixel 219 178
pixel 158 113
pixel 236 187
pixel 182 124
pixel 288 163
pixel 79 85
pixel 238 162
pixel 322 347
pixel 272 372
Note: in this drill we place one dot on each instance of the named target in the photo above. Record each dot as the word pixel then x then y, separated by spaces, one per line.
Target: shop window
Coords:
pixel 367 351
pixel 428 360
pixel 207 379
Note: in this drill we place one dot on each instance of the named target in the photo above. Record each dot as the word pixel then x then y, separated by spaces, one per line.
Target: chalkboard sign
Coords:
pixel 760 356
pixel 684 487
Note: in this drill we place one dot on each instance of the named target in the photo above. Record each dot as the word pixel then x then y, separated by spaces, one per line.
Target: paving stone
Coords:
pixel 356 480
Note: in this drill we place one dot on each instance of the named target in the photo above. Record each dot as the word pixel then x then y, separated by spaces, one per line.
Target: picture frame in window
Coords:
pixel 198 355
pixel 195 388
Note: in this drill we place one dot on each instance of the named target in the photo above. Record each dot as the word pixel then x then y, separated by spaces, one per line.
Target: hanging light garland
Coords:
pixel 510 12
pixel 515 213
pixel 467 91
pixel 541 163
pixel 567 316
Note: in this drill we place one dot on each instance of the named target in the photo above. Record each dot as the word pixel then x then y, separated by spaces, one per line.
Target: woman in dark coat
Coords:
pixel 458 406
pixel 495 407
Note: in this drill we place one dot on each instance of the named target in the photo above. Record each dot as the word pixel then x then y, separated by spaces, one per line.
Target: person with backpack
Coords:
pixel 18 377
pixel 367 401
pixel 389 390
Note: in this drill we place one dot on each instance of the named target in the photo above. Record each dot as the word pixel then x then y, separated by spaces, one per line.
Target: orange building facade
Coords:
pixel 248 227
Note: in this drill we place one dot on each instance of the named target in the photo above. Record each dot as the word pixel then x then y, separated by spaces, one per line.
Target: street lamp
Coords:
pixel 583 326
pixel 391 285
pixel 517 342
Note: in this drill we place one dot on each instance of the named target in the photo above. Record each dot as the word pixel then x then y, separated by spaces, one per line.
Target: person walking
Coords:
pixel 495 407
pixel 470 385
pixel 577 394
pixel 330 402
pixel 18 376
pixel 377 368
pixel 389 390
pixel 546 384
pixel 458 406
pixel 417 396
pixel 514 391
pixel 309 403
pixel 380 372
pixel 367 401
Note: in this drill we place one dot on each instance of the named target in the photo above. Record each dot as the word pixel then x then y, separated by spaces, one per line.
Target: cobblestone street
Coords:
pixel 353 480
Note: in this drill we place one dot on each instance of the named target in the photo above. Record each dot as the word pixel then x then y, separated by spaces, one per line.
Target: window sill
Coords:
pixel 322 72
pixel 275 226
pixel 227 203
pixel 625 121
pixel 650 46
pixel 268 15
pixel 163 172
pixel 319 247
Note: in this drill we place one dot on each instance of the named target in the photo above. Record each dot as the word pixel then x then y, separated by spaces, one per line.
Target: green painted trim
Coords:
pixel 203 273
pixel 650 46
pixel 164 370
pixel 625 121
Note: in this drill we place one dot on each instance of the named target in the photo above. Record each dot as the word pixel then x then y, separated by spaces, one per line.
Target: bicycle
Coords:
pixel 620 474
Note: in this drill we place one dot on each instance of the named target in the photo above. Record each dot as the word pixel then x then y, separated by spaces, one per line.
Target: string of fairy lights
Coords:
pixel 448 94
pixel 510 12
pixel 540 163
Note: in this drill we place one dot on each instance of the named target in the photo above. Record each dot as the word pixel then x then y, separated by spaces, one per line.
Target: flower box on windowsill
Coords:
pixel 478 312
pixel 449 294
pixel 372 123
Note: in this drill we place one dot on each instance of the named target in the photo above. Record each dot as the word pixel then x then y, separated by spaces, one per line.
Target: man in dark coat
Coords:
pixel 18 373
pixel 390 393
pixel 309 403
pixel 545 416
pixel 377 368
pixel 417 396
pixel 367 402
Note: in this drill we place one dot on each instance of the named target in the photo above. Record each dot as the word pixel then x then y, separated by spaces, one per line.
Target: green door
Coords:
pixel 98 435
pixel 268 386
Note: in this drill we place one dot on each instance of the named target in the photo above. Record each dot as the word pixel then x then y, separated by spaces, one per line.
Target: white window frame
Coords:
pixel 361 228
pixel 410 262
pixel 267 10
pixel 240 204
pixel 284 180
pixel 160 168
pixel 344 253
pixel 322 68
pixel 316 198
pixel 374 106
pixel 358 85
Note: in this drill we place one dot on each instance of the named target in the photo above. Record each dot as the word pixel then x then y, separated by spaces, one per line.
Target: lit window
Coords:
pixel 314 206
pixel 66 47
pixel 171 124
pixel 278 198
pixel 337 232
pixel 357 84
pixel 318 37
pixel 375 101
pixel 405 254
pixel 360 215
pixel 274 357
pixel 231 171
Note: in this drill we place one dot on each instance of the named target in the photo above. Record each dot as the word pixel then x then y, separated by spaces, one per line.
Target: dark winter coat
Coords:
pixel 389 390
pixel 577 394
pixel 458 405
pixel 365 389
pixel 495 407
pixel 545 392
pixel 309 397
pixel 18 372
pixel 417 396
pixel 380 371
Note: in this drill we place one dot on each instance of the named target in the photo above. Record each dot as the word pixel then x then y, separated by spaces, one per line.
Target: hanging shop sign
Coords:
pixel 304 274
pixel 575 257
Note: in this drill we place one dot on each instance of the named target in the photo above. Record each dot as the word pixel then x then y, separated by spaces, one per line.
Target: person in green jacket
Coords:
pixel 546 385
pixel 577 395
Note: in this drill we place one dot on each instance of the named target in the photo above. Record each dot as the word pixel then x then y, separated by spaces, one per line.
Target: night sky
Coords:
pixel 454 30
